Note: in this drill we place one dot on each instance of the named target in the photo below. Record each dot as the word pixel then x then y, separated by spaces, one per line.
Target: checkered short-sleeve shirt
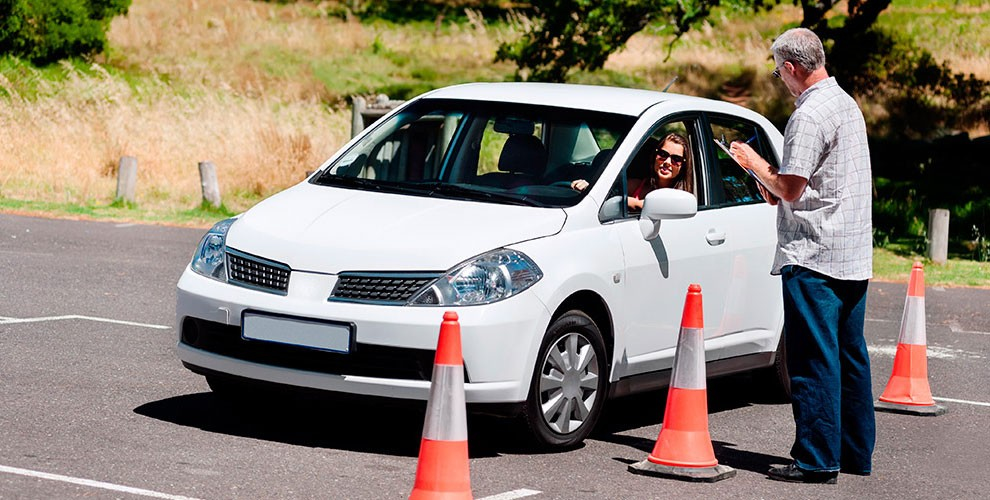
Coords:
pixel 829 229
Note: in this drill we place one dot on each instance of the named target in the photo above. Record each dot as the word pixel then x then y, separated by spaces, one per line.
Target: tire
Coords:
pixel 775 381
pixel 570 382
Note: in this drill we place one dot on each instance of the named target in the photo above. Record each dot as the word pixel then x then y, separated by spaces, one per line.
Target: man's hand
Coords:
pixel 744 154
pixel 748 158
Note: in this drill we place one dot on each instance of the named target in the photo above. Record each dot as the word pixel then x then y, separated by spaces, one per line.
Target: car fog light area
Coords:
pixel 209 259
pixel 487 278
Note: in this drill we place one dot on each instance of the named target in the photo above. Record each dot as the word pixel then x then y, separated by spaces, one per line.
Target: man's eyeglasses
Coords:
pixel 776 71
pixel 662 154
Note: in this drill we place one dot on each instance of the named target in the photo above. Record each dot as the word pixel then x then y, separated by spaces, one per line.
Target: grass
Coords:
pixel 203 216
pixel 262 90
pixel 890 265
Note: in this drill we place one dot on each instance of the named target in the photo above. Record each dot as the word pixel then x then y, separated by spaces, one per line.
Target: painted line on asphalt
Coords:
pixel 509 495
pixel 6 321
pixel 955 328
pixel 963 401
pixel 91 483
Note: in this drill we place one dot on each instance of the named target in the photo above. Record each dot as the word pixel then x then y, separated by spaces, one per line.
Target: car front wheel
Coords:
pixel 570 382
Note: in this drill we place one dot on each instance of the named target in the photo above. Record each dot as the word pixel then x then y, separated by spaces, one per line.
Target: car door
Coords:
pixel 735 210
pixel 658 272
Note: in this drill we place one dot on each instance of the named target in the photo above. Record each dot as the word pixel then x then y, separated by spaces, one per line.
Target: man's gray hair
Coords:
pixel 800 46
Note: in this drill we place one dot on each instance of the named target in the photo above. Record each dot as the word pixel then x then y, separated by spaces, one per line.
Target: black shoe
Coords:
pixel 793 474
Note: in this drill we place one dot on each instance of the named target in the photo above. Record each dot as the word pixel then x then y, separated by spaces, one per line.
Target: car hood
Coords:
pixel 329 230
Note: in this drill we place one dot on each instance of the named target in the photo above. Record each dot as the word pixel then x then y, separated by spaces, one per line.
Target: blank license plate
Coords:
pixel 317 334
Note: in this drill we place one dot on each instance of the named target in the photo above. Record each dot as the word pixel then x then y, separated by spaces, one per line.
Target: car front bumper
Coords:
pixel 393 349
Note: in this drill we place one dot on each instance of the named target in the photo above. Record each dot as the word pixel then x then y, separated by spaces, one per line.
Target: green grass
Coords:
pixel 891 265
pixel 203 216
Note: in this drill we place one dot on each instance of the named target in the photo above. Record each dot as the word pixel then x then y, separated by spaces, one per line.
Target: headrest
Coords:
pixel 601 159
pixel 523 154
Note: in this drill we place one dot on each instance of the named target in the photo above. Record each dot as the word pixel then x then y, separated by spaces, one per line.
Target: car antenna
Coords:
pixel 672 80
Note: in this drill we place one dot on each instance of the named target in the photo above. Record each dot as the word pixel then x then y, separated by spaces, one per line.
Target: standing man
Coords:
pixel 825 259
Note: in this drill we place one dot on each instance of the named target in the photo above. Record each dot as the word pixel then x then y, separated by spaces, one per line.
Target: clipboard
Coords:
pixel 748 171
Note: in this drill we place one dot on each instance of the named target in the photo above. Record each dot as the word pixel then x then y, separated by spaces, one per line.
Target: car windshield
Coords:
pixel 491 152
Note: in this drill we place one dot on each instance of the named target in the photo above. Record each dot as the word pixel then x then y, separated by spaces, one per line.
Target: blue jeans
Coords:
pixel 831 389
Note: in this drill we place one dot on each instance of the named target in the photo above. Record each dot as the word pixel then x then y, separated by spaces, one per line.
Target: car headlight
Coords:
pixel 487 278
pixel 210 257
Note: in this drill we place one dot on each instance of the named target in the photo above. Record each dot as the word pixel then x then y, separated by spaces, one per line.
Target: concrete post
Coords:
pixel 211 186
pixel 127 178
pixel 938 235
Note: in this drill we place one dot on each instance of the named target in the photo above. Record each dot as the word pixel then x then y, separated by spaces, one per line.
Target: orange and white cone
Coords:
pixel 907 390
pixel 442 471
pixel 684 447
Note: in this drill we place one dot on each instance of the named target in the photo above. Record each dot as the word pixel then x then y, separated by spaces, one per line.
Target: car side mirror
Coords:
pixel 611 209
pixel 663 204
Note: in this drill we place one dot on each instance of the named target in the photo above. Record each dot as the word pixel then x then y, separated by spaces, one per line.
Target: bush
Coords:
pixel 45 31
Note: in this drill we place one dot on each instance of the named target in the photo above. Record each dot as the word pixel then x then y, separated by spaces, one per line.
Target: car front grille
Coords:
pixel 258 273
pixel 380 288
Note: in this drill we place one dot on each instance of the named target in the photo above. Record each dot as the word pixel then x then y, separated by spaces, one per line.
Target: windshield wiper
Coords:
pixel 465 192
pixel 376 185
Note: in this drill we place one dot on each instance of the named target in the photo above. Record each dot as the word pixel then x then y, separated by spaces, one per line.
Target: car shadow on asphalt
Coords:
pixel 363 424
pixel 395 427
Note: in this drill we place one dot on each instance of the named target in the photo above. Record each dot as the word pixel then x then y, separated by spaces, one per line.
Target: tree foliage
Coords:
pixel 583 33
pixel 44 31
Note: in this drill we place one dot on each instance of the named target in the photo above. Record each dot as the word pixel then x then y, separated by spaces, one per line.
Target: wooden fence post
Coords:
pixel 357 115
pixel 211 186
pixel 938 235
pixel 127 178
pixel 364 113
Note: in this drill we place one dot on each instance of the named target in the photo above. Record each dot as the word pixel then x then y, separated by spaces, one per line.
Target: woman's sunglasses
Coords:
pixel 675 159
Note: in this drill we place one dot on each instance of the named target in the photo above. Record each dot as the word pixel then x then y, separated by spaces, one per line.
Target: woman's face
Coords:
pixel 668 163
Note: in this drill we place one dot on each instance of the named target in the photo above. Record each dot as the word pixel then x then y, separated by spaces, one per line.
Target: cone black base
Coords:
pixel 924 411
pixel 694 474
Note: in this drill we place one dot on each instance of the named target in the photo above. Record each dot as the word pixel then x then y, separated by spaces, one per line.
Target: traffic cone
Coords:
pixel 442 471
pixel 684 447
pixel 907 390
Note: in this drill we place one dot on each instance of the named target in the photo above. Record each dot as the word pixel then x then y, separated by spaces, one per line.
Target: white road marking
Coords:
pixel 91 483
pixel 933 352
pixel 509 495
pixel 963 401
pixel 955 328
pixel 4 321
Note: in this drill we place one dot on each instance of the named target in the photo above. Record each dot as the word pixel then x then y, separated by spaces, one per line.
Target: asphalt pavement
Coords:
pixel 94 403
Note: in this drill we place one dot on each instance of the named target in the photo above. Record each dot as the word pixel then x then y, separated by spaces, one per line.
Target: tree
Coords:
pixel 583 33
pixel 44 31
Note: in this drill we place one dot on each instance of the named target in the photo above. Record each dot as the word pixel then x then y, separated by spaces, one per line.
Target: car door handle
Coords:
pixel 715 237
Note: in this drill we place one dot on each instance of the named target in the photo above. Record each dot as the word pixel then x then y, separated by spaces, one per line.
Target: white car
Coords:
pixel 461 200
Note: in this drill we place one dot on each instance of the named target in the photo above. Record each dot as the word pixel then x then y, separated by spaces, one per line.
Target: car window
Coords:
pixel 484 151
pixel 637 179
pixel 730 184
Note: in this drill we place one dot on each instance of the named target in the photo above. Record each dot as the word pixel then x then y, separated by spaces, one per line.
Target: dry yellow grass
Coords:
pixel 70 141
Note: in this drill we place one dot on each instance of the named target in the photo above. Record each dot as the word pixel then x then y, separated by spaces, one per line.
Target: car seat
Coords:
pixel 521 162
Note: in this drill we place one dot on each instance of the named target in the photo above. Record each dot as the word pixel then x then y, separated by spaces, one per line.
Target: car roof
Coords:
pixel 624 101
